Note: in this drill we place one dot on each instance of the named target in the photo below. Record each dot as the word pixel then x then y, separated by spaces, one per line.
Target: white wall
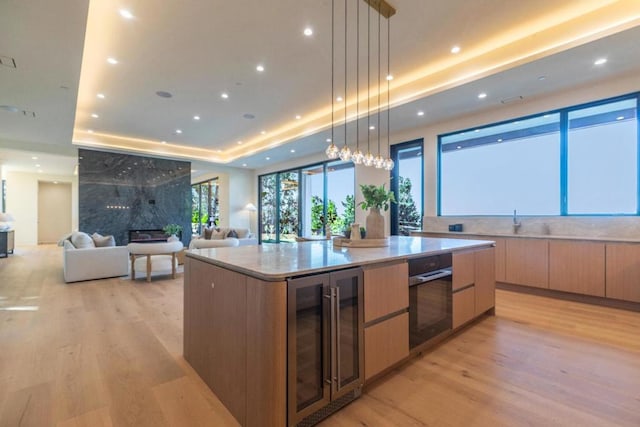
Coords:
pixel 22 203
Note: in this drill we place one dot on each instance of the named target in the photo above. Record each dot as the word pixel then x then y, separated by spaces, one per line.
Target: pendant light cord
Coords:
pixel 369 81
pixel 345 73
pixel 332 69
pixel 358 79
pixel 379 55
pixel 388 87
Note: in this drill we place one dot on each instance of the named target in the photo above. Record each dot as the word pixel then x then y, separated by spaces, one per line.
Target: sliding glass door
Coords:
pixel 204 206
pixel 301 202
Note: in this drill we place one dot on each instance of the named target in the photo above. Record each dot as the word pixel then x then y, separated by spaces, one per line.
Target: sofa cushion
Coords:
pixel 82 240
pixel 243 233
pixel 101 241
pixel 219 234
pixel 207 232
pixel 232 233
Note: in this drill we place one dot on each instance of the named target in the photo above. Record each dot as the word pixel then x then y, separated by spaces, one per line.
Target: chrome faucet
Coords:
pixel 516 223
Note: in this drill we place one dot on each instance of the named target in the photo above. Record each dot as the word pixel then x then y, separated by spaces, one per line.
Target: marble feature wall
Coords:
pixel 121 192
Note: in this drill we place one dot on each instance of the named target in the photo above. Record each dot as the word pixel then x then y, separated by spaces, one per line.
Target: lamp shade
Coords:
pixel 250 207
pixel 6 217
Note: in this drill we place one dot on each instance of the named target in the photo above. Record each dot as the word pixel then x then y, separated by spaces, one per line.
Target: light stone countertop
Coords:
pixel 276 262
pixel 471 235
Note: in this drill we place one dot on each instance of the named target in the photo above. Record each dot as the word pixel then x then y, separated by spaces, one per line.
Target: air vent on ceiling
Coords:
pixel 7 62
pixel 512 99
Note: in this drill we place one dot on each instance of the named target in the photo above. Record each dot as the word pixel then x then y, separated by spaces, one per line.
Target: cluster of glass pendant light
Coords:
pixel 345 154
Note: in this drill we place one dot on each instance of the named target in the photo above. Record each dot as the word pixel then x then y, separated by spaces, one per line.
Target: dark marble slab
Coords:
pixel 122 192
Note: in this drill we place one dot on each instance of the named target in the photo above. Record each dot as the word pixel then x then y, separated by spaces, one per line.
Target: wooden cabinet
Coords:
pixel 464 306
pixel 485 282
pixel 623 271
pixel 500 255
pixel 577 267
pixel 473 284
pixel 464 269
pixel 386 340
pixel 527 262
pixel 385 344
pixel 386 290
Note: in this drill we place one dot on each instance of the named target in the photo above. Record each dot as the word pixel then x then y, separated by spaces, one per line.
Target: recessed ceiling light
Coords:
pixel 244 165
pixel 112 61
pixel 94 115
pixel 328 139
pixel 90 131
pixel 38 166
pixel 260 68
pixel 196 117
pixel 482 95
pixel 224 95
pixel 264 132
pixel 178 130
pixel 389 77
pixel 455 49
pixel 293 151
pixel 163 142
pixel 620 118
pixel 126 14
pixel 421 113
pixel 267 158
pixel 100 95
pixel 34 158
pixel 339 99
pixel 372 127
pixel 600 61
pixel 298 117
pixel 308 32
pixel 239 143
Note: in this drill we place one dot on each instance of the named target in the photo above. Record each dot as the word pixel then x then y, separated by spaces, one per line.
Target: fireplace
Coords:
pixel 147 236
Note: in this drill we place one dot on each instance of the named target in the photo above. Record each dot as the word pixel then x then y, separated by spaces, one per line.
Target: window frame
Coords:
pixel 395 181
pixel 564 155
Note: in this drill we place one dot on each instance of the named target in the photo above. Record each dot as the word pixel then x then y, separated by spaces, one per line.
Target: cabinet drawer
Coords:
pixel 464 266
pixel 386 290
pixel 385 344
pixel 464 306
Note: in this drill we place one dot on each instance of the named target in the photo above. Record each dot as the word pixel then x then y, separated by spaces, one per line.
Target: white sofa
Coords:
pixel 219 238
pixel 94 263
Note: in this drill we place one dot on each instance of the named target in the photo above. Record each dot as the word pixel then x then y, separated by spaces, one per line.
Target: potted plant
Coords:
pixel 375 198
pixel 172 230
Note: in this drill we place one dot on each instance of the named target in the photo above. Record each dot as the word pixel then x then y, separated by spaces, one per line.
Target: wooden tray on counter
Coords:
pixel 360 243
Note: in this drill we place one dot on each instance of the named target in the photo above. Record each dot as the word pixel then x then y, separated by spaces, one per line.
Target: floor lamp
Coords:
pixel 250 208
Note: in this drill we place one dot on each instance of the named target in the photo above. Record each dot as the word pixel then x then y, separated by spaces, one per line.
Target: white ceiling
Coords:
pixel 198 49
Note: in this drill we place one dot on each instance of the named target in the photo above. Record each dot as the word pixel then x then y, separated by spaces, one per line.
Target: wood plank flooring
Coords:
pixel 108 353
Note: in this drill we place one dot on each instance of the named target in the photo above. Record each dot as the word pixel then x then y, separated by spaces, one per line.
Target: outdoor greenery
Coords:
pixel 172 229
pixel 376 197
pixel 408 214
pixel 204 204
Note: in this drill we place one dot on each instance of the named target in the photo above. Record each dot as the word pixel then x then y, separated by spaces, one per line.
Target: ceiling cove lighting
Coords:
pixel 332 151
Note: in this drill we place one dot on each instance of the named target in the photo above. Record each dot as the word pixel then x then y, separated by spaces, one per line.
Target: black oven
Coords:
pixel 430 299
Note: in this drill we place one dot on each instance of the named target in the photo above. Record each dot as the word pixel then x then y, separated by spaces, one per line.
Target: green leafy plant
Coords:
pixel 172 229
pixel 376 197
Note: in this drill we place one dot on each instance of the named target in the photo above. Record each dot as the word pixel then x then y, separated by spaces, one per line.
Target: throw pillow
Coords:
pixel 218 234
pixel 101 241
pixel 242 233
pixel 207 233
pixel 66 237
pixel 82 240
pixel 232 233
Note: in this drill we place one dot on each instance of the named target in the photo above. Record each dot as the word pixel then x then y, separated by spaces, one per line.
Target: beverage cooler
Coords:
pixel 325 344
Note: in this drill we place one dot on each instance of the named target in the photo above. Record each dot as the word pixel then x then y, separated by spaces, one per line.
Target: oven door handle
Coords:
pixel 428 277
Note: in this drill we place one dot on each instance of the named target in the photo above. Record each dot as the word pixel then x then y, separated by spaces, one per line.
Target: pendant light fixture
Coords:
pixel 333 152
pixel 389 163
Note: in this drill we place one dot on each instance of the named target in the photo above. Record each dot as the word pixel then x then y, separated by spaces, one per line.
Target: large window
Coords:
pixel 300 202
pixel 204 203
pixel 579 160
pixel 407 184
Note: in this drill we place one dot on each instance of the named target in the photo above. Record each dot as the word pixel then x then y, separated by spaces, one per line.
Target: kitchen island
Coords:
pixel 285 334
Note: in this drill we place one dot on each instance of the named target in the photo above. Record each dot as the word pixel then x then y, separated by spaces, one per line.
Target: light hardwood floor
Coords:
pixel 108 353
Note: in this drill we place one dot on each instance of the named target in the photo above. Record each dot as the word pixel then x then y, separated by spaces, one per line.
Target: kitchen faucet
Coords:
pixel 516 223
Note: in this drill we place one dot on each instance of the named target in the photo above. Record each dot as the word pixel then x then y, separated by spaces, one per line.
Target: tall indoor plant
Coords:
pixel 376 198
